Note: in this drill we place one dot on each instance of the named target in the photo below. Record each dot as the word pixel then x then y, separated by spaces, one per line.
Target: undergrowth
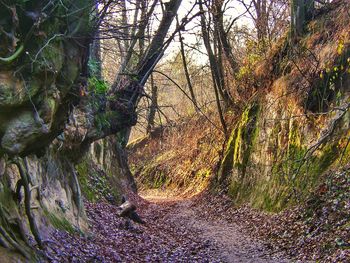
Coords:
pixel 185 159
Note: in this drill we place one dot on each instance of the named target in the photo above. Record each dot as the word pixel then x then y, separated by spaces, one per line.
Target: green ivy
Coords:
pixel 98 86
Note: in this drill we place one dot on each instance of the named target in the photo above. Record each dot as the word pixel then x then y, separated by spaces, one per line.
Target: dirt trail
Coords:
pixel 231 243
pixel 174 232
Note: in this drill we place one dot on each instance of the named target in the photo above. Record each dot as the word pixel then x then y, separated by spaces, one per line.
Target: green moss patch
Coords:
pixel 94 183
pixel 278 176
pixel 59 222
pixel 240 145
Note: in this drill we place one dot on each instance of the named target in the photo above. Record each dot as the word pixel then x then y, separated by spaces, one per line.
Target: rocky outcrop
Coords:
pixel 104 173
pixel 39 83
pixel 298 127
pixel 38 86
pixel 41 61
pixel 54 199
pixel 56 191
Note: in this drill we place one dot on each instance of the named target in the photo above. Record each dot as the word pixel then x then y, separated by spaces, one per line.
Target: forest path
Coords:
pixel 176 230
pixel 229 240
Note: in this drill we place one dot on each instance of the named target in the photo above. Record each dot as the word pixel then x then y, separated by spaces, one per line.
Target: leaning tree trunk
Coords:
pixel 186 71
pixel 126 91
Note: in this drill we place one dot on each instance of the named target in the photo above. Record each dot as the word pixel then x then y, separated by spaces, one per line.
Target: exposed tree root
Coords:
pixel 76 193
pixel 27 198
pixel 128 209
pixel 8 240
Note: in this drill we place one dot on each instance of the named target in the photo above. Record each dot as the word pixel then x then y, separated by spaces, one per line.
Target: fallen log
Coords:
pixel 128 209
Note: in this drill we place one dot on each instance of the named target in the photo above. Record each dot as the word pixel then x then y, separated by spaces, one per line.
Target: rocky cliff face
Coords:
pixel 41 61
pixel 56 188
pixel 43 75
pixel 299 126
pixel 104 172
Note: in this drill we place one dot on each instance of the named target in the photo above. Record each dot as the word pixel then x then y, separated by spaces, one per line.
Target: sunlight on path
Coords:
pixel 230 240
pixel 160 196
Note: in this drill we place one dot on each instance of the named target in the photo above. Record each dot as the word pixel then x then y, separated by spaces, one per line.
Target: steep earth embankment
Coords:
pixel 180 159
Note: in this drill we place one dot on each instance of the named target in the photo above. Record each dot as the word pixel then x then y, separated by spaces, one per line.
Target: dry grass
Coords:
pixel 181 158
pixel 293 68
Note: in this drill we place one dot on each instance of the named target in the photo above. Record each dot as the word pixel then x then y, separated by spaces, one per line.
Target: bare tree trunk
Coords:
pixel 143 25
pixel 215 63
pixel 153 106
pixel 125 27
pixel 222 35
pixel 214 68
pixel 220 72
pixel 261 20
pixel 187 74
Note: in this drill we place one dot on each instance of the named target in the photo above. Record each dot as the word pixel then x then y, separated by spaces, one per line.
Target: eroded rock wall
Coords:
pixel 104 173
pixel 299 125
pixel 39 71
pixel 42 59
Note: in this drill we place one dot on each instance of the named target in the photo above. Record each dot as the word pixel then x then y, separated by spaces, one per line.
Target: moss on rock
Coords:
pixel 267 165
pixel 240 144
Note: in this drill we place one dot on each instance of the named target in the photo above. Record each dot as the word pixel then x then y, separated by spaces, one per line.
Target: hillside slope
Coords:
pixel 181 159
